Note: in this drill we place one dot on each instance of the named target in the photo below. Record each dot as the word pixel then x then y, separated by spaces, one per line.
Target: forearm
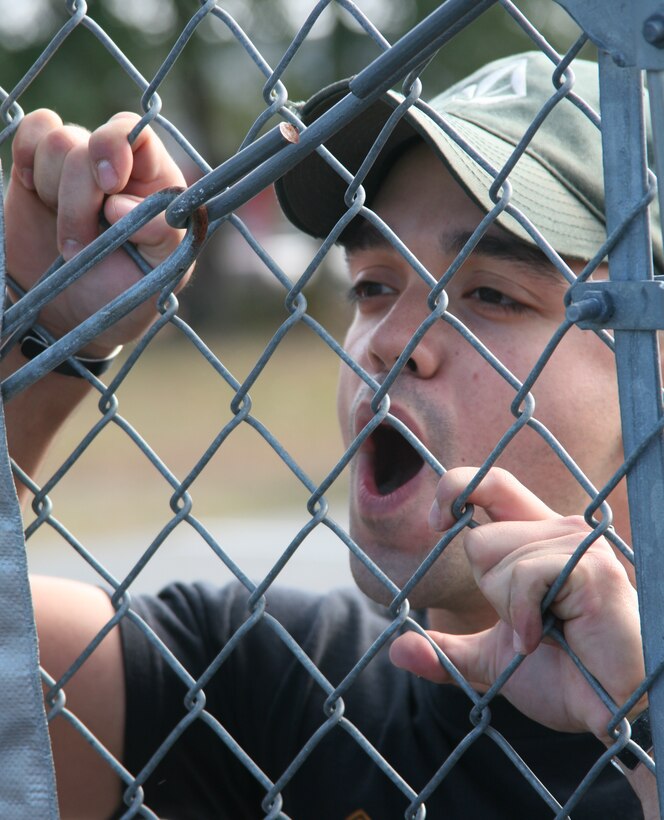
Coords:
pixel 34 416
pixel 645 785
pixel 640 778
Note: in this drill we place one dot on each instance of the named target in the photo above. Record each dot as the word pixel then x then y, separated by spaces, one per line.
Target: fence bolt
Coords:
pixel 653 30
pixel 597 307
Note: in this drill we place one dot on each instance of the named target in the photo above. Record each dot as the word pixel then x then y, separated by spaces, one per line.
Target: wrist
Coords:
pixel 629 758
pixel 644 784
pixel 33 343
pixel 94 351
pixel 51 334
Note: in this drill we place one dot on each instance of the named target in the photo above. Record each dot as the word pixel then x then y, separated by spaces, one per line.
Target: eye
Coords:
pixel 496 298
pixel 366 289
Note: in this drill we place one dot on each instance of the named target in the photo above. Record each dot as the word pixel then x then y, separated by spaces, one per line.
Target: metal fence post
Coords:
pixel 637 359
pixel 27 778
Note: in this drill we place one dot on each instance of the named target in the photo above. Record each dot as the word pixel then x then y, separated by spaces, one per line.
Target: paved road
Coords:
pixel 320 563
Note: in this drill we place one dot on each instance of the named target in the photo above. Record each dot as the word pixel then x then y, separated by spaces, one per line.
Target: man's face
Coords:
pixel 448 395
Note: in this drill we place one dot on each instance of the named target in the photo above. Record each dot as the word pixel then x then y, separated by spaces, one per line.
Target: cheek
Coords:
pixel 344 399
pixel 515 362
pixel 580 379
pixel 577 400
pixel 487 394
pixel 357 339
pixel 478 404
pixel 349 384
pixel 348 387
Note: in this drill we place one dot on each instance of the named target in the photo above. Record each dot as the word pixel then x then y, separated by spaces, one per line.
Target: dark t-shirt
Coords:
pixel 263 698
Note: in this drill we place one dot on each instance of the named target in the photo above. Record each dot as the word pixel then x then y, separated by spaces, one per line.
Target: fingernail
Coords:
pixel 106 176
pixel 517 645
pixel 70 247
pixel 27 178
pixel 434 515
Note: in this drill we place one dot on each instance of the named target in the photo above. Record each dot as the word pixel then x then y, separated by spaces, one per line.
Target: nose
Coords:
pixel 396 330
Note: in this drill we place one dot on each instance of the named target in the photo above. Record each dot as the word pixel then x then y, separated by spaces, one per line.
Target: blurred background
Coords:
pixel 111 500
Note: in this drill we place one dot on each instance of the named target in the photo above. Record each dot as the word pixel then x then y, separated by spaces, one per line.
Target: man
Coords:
pixel 482 595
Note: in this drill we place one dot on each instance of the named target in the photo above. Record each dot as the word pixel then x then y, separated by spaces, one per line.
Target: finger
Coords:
pixel 490 544
pixel 32 129
pixel 415 654
pixel 138 168
pixel 50 157
pixel 79 202
pixel 499 494
pixel 111 154
pixel 517 585
pixel 517 594
pixel 156 240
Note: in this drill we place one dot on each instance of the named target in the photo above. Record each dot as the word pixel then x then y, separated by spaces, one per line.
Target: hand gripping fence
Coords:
pixel 624 312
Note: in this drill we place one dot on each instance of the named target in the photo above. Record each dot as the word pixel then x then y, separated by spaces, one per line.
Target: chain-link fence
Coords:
pixel 243 700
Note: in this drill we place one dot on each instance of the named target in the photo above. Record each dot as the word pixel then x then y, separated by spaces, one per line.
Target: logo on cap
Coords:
pixel 502 84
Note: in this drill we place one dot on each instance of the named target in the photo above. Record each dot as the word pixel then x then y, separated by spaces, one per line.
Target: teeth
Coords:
pixel 395 461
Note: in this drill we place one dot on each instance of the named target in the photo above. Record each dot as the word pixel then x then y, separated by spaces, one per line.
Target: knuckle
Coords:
pixel 77 155
pixel 577 521
pixel 38 120
pixel 499 481
pixel 455 480
pixel 61 141
pixel 602 565
pixel 130 116
pixel 521 573
pixel 113 133
pixel 43 116
pixel 573 524
pixel 457 474
pixel 526 578
pixel 502 476
pixel 32 128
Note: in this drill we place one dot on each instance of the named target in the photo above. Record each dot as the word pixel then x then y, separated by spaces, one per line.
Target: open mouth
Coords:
pixel 395 462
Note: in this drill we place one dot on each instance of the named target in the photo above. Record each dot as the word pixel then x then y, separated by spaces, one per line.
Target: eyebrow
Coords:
pixel 504 246
pixel 365 236
pixel 361 235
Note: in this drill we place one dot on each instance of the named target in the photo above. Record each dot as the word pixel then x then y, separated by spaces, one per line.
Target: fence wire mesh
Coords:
pixel 350 763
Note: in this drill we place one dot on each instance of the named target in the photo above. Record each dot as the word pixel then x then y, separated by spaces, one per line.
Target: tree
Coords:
pixel 214 91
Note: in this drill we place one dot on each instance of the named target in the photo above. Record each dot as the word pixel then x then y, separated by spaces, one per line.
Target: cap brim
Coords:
pixel 312 194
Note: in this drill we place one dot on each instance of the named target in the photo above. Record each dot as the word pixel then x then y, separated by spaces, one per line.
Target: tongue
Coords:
pixel 395 461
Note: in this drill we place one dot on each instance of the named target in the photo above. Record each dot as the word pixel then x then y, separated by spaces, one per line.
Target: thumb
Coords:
pixel 119 205
pixel 467 653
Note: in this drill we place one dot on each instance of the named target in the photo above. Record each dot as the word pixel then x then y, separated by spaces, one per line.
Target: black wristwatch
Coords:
pixel 641 736
pixel 33 343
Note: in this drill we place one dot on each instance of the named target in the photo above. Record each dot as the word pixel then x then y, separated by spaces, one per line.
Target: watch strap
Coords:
pixel 32 343
pixel 642 736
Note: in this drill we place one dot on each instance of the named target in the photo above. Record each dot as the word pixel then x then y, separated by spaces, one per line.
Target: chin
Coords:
pixel 429 592
pixel 447 584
